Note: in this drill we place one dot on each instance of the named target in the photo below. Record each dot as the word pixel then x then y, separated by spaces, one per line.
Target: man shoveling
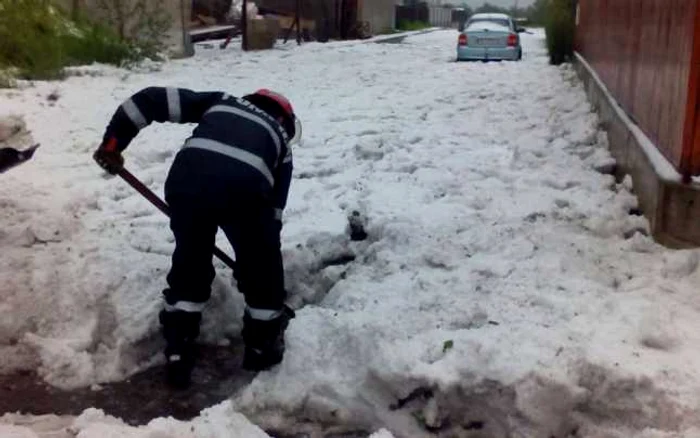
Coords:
pixel 234 172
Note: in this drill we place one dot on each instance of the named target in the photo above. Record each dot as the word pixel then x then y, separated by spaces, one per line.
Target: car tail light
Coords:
pixel 462 40
pixel 512 40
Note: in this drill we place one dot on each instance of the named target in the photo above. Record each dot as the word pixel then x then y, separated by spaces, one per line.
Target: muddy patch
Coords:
pixel 137 400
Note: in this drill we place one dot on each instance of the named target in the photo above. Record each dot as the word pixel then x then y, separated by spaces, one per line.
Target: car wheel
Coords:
pixel 520 55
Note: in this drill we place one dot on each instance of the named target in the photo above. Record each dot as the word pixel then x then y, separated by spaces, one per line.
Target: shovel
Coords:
pixel 162 206
pixel 11 157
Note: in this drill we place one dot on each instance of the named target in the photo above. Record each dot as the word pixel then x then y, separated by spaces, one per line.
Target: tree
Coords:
pixel 537 12
pixel 489 8
pixel 468 11
pixel 560 29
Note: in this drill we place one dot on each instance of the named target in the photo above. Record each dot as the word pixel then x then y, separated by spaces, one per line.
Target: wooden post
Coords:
pixel 298 13
pixel 296 22
pixel 75 10
pixel 690 157
pixel 187 47
pixel 244 25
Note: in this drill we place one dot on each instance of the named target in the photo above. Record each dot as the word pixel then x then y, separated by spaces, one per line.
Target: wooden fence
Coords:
pixel 647 52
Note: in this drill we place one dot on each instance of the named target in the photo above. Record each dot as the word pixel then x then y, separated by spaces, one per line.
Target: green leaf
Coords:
pixel 447 345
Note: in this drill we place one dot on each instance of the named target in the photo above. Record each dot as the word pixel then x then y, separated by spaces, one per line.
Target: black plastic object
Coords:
pixel 11 157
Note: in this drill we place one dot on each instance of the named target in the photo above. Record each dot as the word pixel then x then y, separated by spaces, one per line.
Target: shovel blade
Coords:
pixel 11 157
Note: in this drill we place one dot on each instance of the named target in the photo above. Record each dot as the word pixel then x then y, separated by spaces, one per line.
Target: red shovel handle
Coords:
pixel 162 206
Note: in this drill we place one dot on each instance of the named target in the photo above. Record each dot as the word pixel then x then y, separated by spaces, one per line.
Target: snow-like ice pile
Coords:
pixel 504 288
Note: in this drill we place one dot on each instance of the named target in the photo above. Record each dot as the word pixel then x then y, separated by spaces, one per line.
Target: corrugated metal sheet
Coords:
pixel 646 53
pixel 440 17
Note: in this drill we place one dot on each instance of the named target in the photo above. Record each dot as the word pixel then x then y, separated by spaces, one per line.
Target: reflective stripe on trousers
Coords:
pixel 184 306
pixel 263 314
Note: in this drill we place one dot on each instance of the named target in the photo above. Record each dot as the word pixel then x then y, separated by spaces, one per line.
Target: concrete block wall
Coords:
pixel 379 14
pixel 178 11
pixel 671 206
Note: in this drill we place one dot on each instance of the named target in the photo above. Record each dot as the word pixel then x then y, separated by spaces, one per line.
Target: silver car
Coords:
pixel 490 37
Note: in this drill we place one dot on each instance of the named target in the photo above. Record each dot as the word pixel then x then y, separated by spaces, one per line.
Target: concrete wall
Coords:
pixel 380 15
pixel 178 40
pixel 672 208
pixel 178 11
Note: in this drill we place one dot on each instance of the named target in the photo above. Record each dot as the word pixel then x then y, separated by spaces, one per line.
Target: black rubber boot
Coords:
pixel 264 340
pixel 180 330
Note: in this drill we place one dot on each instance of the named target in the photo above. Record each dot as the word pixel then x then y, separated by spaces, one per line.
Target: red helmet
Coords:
pixel 291 124
pixel 281 100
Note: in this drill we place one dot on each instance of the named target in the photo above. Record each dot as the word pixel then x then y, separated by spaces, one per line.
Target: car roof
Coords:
pixel 491 15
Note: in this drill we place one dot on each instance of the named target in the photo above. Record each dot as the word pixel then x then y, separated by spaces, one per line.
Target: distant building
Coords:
pixel 339 18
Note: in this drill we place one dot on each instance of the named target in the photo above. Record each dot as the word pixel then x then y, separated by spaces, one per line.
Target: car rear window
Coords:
pixel 490 24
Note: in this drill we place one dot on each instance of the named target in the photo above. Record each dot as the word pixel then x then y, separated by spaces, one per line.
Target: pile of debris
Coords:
pixel 215 12
pixel 267 21
pixel 15 141
pixel 215 19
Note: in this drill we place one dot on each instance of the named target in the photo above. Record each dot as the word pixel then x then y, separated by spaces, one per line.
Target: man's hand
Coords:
pixel 108 157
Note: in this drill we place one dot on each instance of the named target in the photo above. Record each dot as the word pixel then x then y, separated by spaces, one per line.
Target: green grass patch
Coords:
pixel 407 25
pixel 38 41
